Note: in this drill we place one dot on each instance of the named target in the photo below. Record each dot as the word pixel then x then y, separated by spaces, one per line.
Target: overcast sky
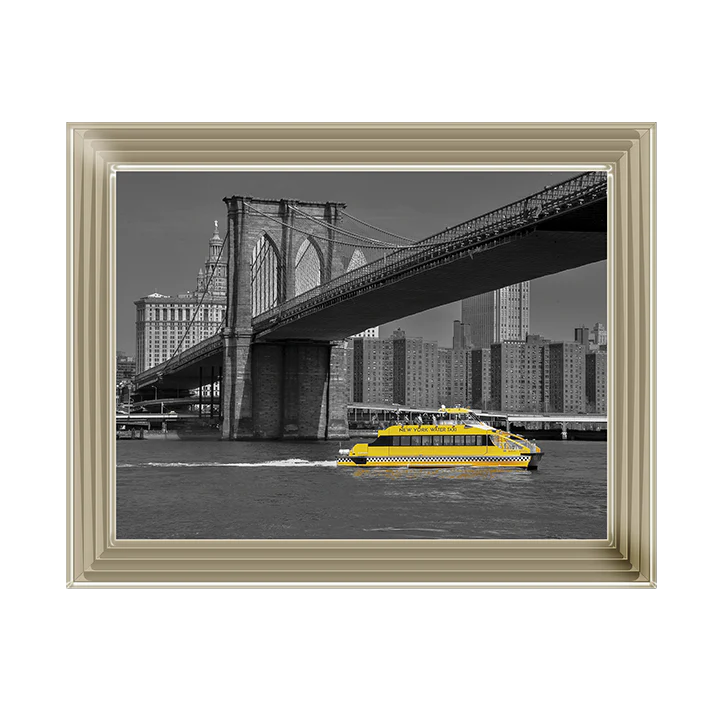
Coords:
pixel 165 221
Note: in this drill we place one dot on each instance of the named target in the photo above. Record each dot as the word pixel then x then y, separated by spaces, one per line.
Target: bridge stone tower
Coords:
pixel 295 389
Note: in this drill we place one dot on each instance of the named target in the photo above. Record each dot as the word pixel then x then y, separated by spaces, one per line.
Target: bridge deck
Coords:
pixel 508 261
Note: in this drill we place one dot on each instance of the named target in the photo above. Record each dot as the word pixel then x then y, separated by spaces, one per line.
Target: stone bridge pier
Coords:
pixel 295 389
pixel 284 391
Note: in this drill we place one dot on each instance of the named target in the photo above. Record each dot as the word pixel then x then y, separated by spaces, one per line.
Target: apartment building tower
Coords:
pixel 567 377
pixel 454 377
pixel 517 376
pixel 415 364
pixel 371 370
pixel 596 380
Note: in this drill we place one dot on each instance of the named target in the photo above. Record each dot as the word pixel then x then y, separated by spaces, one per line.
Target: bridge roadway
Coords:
pixel 441 275
pixel 181 373
pixel 175 402
pixel 536 237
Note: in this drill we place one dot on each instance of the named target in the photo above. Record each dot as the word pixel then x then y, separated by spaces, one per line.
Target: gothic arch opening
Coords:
pixel 265 275
pixel 307 269
pixel 357 259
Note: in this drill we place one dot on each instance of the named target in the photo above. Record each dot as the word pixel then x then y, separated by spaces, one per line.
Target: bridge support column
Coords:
pixel 564 430
pixel 315 393
pixel 238 420
pixel 200 391
pixel 284 391
pixel 312 390
pixel 268 387
pixel 303 399
pixel 290 424
pixel 337 415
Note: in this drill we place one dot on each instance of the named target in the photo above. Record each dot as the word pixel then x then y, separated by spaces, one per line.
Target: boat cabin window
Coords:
pixel 437 440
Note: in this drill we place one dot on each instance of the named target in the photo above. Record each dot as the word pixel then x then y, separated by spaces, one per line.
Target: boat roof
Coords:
pixel 413 429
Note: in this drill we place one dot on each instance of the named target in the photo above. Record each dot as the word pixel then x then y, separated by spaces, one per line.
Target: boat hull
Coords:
pixel 524 461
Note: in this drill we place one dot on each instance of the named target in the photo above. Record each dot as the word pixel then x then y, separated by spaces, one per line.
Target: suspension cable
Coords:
pixel 198 303
pixel 381 230
pixel 379 245
pixel 375 243
pixel 344 232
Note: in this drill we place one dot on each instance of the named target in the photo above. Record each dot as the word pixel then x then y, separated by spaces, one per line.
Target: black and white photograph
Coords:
pixel 336 355
pixel 346 344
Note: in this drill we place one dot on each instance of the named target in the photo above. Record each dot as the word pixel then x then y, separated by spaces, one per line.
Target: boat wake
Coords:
pixel 270 463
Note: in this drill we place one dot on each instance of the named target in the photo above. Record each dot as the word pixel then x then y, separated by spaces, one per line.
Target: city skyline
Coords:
pixel 164 218
pixel 535 375
pixel 397 326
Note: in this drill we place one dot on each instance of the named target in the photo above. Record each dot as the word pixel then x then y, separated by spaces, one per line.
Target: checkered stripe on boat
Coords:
pixel 438 459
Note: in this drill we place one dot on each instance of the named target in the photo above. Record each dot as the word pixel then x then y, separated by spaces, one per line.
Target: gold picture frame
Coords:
pixel 97 151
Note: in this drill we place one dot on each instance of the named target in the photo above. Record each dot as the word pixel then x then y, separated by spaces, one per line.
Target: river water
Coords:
pixel 280 490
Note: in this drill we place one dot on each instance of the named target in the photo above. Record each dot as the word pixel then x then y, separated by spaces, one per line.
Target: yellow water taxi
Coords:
pixel 456 438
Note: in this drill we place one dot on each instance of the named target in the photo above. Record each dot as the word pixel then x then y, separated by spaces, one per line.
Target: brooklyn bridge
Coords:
pixel 300 282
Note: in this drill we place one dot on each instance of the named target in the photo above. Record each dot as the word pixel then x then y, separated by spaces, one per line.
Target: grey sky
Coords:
pixel 165 221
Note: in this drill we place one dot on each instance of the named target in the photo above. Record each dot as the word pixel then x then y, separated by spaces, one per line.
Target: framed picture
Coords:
pixel 413 355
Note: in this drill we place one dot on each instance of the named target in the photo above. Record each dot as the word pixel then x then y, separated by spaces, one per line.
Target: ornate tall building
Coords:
pixel 497 316
pixel 166 325
pixel 214 272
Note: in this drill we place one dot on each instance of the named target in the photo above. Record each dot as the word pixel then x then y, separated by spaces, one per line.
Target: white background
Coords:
pixel 359 655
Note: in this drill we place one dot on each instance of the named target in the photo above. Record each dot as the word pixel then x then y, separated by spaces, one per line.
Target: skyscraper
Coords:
pixel 462 336
pixel 167 324
pixel 582 336
pixel 498 316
